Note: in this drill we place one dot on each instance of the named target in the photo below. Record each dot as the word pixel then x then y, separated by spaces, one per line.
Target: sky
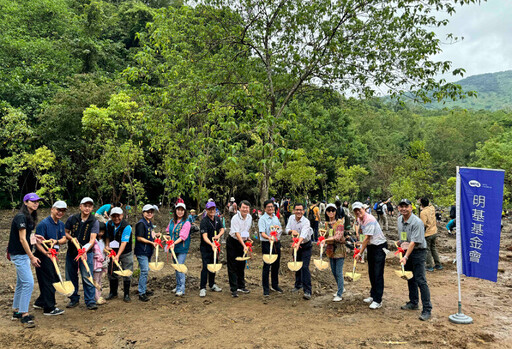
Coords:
pixel 487 44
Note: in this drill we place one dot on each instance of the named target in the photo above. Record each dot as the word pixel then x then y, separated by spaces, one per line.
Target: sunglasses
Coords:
pixel 330 210
pixel 62 210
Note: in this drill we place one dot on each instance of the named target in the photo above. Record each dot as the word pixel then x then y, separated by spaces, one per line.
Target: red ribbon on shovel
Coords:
pixel 112 254
pixel 320 240
pixel 81 252
pixel 400 250
pixel 274 234
pixel 168 244
pixel 217 244
pixel 295 240
pixel 159 242
pixel 356 252
pixel 249 246
pixel 53 252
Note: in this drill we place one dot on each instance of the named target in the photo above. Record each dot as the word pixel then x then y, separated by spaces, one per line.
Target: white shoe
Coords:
pixel 368 300
pixel 202 292
pixel 215 288
pixel 179 294
pixel 375 305
pixel 173 290
pixel 337 299
pixel 335 294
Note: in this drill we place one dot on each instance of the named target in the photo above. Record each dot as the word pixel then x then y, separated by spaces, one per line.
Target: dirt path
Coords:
pixel 282 320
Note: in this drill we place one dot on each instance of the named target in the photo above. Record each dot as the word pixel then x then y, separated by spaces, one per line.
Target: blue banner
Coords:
pixel 479 209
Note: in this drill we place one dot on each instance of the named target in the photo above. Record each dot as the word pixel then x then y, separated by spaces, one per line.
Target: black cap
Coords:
pixel 404 202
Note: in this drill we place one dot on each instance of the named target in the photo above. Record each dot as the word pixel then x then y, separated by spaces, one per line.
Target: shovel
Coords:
pixel 353 276
pixel 245 257
pixel 77 245
pixel 182 268
pixel 156 266
pixel 269 258
pixel 120 272
pixel 63 287
pixel 213 268
pixel 319 263
pixel 406 275
pixel 295 266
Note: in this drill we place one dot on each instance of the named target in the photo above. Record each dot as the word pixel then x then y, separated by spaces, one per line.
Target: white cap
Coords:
pixel 147 207
pixel 86 200
pixel 330 205
pixel 210 200
pixel 116 210
pixel 232 199
pixel 155 207
pixel 60 204
pixel 181 204
pixel 357 205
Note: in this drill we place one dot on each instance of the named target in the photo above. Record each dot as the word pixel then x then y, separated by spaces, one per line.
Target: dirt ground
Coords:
pixel 281 320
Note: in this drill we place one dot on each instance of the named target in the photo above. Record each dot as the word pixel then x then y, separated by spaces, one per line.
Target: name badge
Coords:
pixel 361 237
pixel 33 239
pixel 403 236
pixel 114 244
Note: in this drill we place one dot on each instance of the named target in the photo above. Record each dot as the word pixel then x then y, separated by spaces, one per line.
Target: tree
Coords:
pixel 41 163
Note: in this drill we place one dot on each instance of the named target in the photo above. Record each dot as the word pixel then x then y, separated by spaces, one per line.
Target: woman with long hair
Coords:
pixel 179 232
pixel 21 240
pixel 335 250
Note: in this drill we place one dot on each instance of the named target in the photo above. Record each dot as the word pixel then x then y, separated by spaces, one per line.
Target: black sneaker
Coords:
pixel 243 290
pixel 409 306
pixel 27 321
pixel 92 306
pixel 37 306
pixel 126 298
pixel 266 293
pixel 307 296
pixel 143 297
pixel 425 315
pixel 72 304
pixel 16 315
pixel 439 267
pixel 234 294
pixel 111 296
pixel 149 293
pixel 277 289
pixel 295 289
pixel 55 311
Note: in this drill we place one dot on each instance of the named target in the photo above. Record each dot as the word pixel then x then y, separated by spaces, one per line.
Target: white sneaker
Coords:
pixel 337 299
pixel 215 288
pixel 335 294
pixel 202 292
pixel 173 290
pixel 179 294
pixel 375 305
pixel 368 300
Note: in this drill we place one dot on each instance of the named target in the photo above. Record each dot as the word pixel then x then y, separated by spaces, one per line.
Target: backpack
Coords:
pixel 375 206
pixel 311 214
pixel 379 209
pixel 453 212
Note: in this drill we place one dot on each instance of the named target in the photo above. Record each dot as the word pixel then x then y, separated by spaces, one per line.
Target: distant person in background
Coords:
pixel 20 253
pixel 390 207
pixel 314 218
pixel 286 210
pixel 428 216
pixel 368 204
pixel 348 216
pixel 232 208
pixel 102 213
pixel 382 217
pixel 321 207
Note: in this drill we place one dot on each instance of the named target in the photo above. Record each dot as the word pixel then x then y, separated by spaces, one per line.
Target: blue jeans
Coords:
pixel 72 268
pixel 143 277
pixel 24 282
pixel 180 277
pixel 337 271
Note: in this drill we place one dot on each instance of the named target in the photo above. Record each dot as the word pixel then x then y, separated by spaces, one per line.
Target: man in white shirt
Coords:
pixel 300 228
pixel 235 246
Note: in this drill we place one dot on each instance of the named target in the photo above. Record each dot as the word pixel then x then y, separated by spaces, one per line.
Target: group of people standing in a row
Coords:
pixel 114 239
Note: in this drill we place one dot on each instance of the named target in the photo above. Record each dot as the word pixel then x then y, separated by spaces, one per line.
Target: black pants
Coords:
pixel 206 275
pixel 272 269
pixel 376 263
pixel 286 217
pixel 416 264
pixel 236 269
pixel 303 276
pixel 46 276
pixel 314 226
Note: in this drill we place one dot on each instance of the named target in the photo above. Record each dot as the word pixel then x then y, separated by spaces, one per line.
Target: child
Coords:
pixel 100 262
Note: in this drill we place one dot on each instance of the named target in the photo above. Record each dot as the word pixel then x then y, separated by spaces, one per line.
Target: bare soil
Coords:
pixel 280 321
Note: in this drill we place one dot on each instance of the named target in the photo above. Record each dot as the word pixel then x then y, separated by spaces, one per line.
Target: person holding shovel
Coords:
pixel 335 250
pixel 235 247
pixel 270 228
pixel 144 247
pixel 119 240
pixel 412 241
pixel 19 251
pixel 83 227
pixel 299 227
pixel 179 233
pixel 211 229
pixel 50 228
pixel 376 244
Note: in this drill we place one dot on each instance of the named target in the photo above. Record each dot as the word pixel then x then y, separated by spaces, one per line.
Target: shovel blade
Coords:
pixel 269 259
pixel 66 288
pixel 124 273
pixel 320 264
pixel 156 267
pixel 294 266
pixel 352 276
pixel 182 268
pixel 213 268
pixel 406 275
pixel 242 258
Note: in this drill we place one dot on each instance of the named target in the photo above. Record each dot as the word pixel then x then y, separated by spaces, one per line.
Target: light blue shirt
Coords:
pixel 126 232
pixel 266 222
pixel 103 209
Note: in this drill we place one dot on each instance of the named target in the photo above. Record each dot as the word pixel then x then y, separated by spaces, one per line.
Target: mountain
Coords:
pixel 494 92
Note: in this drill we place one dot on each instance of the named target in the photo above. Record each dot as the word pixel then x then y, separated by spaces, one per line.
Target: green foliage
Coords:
pixel 41 163
pixel 348 180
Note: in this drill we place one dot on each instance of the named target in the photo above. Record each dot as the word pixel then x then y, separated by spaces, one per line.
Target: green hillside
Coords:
pixel 494 92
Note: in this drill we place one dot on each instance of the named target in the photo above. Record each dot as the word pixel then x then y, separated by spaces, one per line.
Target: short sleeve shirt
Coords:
pixel 103 209
pixel 370 227
pixel 211 228
pixel 50 230
pixel 412 231
pixel 18 223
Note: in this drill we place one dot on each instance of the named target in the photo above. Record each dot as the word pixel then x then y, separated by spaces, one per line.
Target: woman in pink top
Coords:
pixel 179 232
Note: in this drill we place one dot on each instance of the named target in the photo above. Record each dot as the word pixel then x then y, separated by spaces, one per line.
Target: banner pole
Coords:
pixel 460 317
